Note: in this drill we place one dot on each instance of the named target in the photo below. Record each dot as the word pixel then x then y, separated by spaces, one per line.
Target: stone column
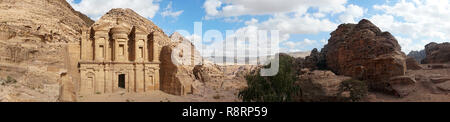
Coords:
pixel 156 37
pixel 84 44
pixel 146 50
pixel 108 79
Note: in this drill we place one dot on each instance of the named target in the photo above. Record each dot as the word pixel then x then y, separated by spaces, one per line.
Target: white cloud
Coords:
pixel 416 19
pixel 211 7
pixel 351 13
pixel 409 45
pixel 298 25
pixel 252 21
pixel 287 16
pixel 267 7
pixel 96 8
pixel 299 44
pixel 232 19
pixel 168 11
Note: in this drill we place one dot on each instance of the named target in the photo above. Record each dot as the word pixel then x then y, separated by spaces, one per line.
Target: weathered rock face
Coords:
pixel 364 52
pixel 175 79
pixel 67 93
pixel 35 18
pixel 412 64
pixel 402 85
pixel 437 83
pixel 417 55
pixel 320 85
pixel 437 53
pixel 33 39
pixel 182 68
pixel 312 60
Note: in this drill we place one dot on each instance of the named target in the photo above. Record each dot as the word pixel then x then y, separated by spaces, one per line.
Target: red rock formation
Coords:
pixel 412 64
pixel 364 52
pixel 437 53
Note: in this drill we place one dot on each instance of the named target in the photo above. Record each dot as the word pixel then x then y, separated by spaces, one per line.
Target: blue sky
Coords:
pixel 303 24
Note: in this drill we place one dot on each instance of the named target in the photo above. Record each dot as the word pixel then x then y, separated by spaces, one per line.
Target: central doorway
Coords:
pixel 122 81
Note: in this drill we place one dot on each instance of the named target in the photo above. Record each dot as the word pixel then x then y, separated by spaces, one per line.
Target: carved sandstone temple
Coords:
pixel 118 56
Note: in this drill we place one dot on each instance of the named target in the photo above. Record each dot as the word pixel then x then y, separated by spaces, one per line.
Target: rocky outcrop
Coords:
pixel 34 18
pixel 437 53
pixel 321 86
pixel 67 91
pixel 33 36
pixel 437 83
pixel 364 52
pixel 411 64
pixel 175 79
pixel 312 60
pixel 207 73
pixel 417 55
pixel 402 85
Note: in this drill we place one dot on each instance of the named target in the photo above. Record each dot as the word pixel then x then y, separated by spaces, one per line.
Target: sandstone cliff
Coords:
pixel 47 20
pixel 34 35
pixel 437 53
pixel 364 52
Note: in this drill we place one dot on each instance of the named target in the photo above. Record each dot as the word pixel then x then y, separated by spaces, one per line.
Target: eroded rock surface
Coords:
pixel 320 85
pixel 437 53
pixel 402 85
pixel 34 35
pixel 364 52
pixel 412 64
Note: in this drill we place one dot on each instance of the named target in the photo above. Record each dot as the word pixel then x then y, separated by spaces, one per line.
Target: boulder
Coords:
pixel 183 70
pixel 364 52
pixel 437 53
pixel 444 86
pixel 412 64
pixel 207 72
pixel 402 85
pixel 321 86
pixel 312 60
pixel 67 89
pixel 439 79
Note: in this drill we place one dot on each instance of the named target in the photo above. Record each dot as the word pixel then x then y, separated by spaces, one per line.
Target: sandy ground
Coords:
pixel 424 91
pixel 156 96
pixel 215 92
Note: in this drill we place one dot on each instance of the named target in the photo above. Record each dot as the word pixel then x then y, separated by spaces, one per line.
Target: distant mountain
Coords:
pixel 417 55
pixel 299 54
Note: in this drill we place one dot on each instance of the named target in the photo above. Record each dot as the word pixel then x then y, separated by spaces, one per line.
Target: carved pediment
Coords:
pixel 140 30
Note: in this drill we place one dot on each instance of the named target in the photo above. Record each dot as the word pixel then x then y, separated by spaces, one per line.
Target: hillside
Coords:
pixel 33 39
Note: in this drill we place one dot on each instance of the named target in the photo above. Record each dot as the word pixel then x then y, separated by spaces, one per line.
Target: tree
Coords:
pixel 358 89
pixel 278 88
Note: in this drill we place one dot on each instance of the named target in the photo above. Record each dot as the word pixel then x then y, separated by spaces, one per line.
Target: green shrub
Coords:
pixel 358 89
pixel 9 79
pixel 278 88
